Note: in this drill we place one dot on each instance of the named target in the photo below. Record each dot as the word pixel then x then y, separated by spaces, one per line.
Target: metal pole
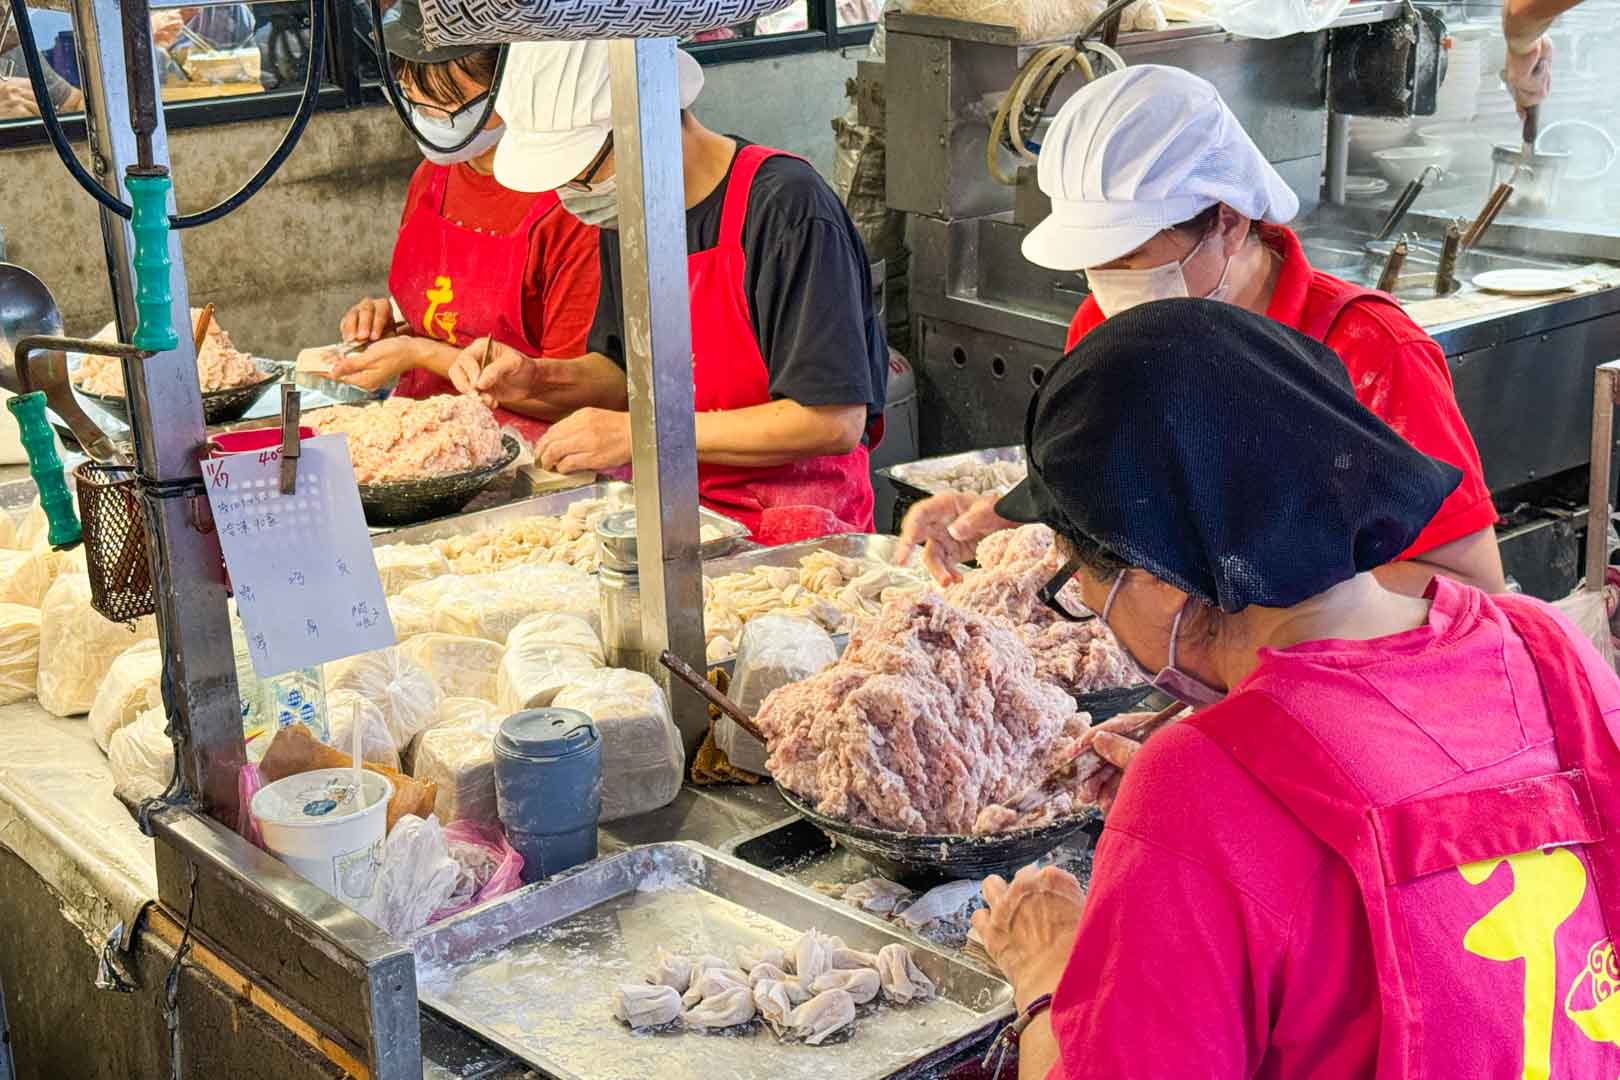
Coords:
pixel 1338 156
pixel 166 420
pixel 658 346
pixel 1606 384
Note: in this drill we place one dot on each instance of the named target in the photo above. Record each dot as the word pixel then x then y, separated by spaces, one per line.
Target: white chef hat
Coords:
pixel 1136 152
pixel 557 104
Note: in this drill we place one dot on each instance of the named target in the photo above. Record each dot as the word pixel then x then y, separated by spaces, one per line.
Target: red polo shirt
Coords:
pixel 1397 370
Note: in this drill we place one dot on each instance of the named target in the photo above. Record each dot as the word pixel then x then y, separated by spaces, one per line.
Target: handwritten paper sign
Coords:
pixel 306 583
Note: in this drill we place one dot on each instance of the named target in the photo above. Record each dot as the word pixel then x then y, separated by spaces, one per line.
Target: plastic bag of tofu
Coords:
pixel 128 690
pixel 491 605
pixel 535 667
pixel 77 646
pixel 643 760
pixel 19 652
pixel 458 754
pixel 347 708
pixel 460 666
pixel 406 695
pixel 403 565
pixel 775 650
pixel 563 630
pixel 141 756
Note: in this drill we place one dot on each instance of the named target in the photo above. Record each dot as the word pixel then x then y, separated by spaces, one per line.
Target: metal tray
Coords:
pixel 911 477
pixel 619 495
pixel 534 972
pixel 875 546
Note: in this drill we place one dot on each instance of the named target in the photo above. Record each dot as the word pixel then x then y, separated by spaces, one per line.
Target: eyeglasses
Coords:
pixel 1055 595
pixel 439 112
pixel 583 184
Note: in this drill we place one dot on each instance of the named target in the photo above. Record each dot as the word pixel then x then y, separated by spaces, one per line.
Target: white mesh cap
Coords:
pixel 557 104
pixel 1136 152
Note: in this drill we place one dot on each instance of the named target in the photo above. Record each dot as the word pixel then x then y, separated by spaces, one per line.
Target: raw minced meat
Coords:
pixel 407 439
pixel 220 364
pixel 933 715
pixel 1013 565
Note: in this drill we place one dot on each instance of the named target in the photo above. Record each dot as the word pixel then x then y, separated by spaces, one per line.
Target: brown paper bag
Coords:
pixel 295 750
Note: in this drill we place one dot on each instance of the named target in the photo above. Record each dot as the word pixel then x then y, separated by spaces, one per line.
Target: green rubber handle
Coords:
pixel 154 304
pixel 46 468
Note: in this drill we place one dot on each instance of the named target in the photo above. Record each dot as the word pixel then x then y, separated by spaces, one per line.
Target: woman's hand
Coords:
pixel 1528 74
pixel 1116 741
pixel 1030 926
pixel 375 366
pixel 586 440
pixel 369 320
pixel 948 528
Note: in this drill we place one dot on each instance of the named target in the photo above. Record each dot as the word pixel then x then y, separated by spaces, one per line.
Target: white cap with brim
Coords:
pixel 557 103
pixel 1137 152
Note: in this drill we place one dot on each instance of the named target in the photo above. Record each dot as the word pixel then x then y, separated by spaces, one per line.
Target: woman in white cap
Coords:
pixel 1157 192
pixel 789 362
pixel 474 259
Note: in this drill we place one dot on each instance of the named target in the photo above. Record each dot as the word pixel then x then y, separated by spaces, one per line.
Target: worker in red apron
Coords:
pixel 1158 192
pixel 474 260
pixel 789 363
pixel 1387 843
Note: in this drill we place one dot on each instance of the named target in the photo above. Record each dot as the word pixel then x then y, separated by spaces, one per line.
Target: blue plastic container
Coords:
pixel 548 788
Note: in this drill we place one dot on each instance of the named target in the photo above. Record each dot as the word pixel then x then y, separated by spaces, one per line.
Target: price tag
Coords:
pixel 306 583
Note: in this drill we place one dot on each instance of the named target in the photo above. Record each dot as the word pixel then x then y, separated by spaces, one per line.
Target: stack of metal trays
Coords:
pixel 534 972
pixel 620 496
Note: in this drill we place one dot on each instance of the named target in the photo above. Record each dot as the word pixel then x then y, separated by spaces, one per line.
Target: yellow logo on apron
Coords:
pixel 436 324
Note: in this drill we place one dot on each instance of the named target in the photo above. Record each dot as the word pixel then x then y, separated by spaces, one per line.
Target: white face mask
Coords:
pixel 1120 290
pixel 599 206
pixel 443 132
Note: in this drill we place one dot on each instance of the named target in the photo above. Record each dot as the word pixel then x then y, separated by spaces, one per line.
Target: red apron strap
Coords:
pixel 544 203
pixel 438 183
pixel 1326 317
pixel 740 185
pixel 1424 836
pixel 1582 736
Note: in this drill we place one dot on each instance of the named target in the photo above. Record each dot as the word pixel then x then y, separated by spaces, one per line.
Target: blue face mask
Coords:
pixel 1180 685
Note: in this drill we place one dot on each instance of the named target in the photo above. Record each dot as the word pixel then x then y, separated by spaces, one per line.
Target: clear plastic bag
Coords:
pixel 410 616
pixel 19 652
pixel 1590 614
pixel 535 669
pixel 345 709
pixel 127 690
pixel 1276 18
pixel 1037 20
pixel 491 605
pixel 490 866
pixel 418 876
pixel 77 646
pixel 25 576
pixel 643 760
pixel 458 754
pixel 142 757
pixel 460 666
pixel 562 629
pixel 774 650
pixel 403 565
pixel 407 695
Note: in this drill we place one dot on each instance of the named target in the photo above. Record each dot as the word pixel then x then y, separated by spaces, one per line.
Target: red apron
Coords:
pixel 1413 854
pixel 783 503
pixel 1327 317
pixel 456 285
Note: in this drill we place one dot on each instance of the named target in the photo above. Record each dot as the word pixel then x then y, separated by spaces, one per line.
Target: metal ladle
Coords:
pixel 31 357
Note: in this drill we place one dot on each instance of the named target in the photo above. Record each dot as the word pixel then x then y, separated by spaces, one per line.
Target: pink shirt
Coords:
pixel 1222 939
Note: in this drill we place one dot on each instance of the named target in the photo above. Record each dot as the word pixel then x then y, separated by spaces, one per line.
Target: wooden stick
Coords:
pixel 684 672
pixel 1088 762
pixel 203 321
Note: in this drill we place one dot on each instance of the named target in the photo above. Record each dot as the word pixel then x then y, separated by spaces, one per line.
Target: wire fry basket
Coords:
pixel 116 547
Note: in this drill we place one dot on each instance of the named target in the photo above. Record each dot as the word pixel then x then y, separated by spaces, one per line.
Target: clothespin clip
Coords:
pixel 290 444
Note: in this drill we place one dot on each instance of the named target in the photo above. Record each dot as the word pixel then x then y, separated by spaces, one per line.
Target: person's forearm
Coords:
pixel 777 432
pixel 1037 1048
pixel 1523 21
pixel 436 356
pixel 599 384
pixel 1473 560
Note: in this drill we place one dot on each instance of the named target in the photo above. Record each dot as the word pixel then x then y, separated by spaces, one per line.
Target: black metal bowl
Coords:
pixel 406 502
pixel 219 406
pixel 1105 704
pixel 927 857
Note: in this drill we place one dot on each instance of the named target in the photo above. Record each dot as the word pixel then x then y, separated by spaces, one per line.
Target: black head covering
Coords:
pixel 404 38
pixel 1225 454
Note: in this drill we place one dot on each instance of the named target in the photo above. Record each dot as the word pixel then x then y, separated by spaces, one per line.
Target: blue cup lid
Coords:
pixel 546 733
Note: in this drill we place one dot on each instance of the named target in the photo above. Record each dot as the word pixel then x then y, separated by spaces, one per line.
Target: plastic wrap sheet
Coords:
pixel 58 814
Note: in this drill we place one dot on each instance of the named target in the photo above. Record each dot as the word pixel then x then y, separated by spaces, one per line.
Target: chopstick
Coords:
pixel 1088 762
pixel 203 322
pixel 684 672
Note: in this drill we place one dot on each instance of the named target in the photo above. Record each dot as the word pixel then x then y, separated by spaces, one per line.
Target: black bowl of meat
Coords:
pixel 921 857
pixel 407 502
pixel 219 406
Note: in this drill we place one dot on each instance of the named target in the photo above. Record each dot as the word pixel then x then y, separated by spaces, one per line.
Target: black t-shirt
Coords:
pixel 808 282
